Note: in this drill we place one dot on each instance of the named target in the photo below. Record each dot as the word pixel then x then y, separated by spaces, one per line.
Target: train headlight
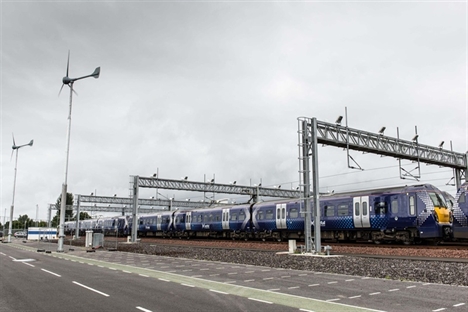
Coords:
pixel 436 216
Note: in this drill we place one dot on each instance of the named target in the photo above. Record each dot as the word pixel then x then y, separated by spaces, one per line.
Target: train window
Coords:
pixel 329 211
pixel 356 209
pixel 394 206
pixel 412 206
pixel 293 213
pixel 210 217
pixel 269 214
pixel 199 218
pixel 462 198
pixel 364 208
pixel 234 216
pixel 241 216
pixel 217 218
pixel 260 215
pixel 381 208
pixel 343 210
pixel 437 200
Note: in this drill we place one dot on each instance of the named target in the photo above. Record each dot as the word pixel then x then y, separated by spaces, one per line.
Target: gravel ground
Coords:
pixel 435 271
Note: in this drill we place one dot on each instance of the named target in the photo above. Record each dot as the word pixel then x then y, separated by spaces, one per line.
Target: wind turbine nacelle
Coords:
pixel 66 80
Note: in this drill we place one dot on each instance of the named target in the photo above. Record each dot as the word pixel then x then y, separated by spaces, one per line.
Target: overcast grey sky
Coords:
pixel 215 88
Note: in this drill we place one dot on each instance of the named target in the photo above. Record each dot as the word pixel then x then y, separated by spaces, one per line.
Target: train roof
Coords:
pixel 391 189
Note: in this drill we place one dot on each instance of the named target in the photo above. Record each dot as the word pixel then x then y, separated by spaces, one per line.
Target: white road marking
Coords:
pixel 267 278
pixel 458 304
pixel 332 282
pixel 312 285
pixel 188 285
pixel 286 276
pixel 143 275
pixel 143 309
pixel 412 286
pixel 273 289
pixel 232 273
pixel 126 271
pixel 305 310
pixel 331 300
pixel 163 279
pixel 354 297
pixel 219 292
pixel 51 273
pixel 92 289
pixel 396 289
pixel 376 293
pixel 349 280
pixel 1 253
pixel 259 300
pixel 214 274
pixel 302 274
pixel 28 264
pixel 293 287
pixel 250 280
pixel 441 309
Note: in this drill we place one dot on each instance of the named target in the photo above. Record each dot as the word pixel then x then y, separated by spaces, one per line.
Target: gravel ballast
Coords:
pixel 433 271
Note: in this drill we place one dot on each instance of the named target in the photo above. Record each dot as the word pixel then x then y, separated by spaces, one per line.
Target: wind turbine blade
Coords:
pixel 61 89
pixel 68 62
pixel 13 147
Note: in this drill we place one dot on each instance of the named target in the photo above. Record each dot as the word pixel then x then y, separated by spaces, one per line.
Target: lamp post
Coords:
pixel 69 82
pixel 15 147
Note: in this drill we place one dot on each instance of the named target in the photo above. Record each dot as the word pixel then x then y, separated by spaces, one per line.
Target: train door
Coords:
pixel 361 212
pixel 281 216
pixel 188 221
pixel 225 219
pixel 158 222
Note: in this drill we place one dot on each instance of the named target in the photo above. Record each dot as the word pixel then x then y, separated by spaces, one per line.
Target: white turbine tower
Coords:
pixel 69 82
pixel 15 147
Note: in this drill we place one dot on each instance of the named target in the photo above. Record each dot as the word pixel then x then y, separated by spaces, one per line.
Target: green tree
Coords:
pixel 23 222
pixel 84 216
pixel 68 210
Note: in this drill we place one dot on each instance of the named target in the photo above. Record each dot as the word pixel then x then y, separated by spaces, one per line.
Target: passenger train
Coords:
pixel 460 213
pixel 407 214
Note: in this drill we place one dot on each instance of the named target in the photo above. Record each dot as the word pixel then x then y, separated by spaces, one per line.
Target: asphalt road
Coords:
pixel 117 281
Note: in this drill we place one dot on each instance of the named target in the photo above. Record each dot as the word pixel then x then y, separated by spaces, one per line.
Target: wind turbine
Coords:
pixel 69 82
pixel 15 147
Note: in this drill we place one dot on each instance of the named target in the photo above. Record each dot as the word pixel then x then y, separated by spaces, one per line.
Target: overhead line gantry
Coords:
pixel 312 132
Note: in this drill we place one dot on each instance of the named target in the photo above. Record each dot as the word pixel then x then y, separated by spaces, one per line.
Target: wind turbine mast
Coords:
pixel 69 82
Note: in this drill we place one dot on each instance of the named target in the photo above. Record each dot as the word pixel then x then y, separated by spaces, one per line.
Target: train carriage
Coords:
pixel 460 213
pixel 156 224
pixel 406 214
pixel 278 220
